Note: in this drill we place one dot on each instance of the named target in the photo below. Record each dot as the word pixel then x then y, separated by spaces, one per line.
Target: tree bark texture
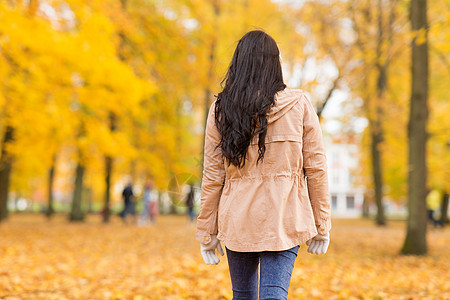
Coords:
pixel 377 175
pixel 6 161
pixel 415 242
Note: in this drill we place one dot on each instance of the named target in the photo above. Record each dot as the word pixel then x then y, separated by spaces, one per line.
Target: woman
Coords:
pixel 150 204
pixel 264 188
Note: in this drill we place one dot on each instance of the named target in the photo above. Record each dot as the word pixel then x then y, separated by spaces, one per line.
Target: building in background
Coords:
pixel 346 197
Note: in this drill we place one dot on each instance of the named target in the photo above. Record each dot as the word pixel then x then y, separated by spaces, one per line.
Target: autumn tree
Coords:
pixel 361 41
pixel 438 143
pixel 105 90
pixel 29 86
pixel 374 27
pixel 415 242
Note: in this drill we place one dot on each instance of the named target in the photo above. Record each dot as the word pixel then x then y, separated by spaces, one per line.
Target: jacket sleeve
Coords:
pixel 315 168
pixel 212 182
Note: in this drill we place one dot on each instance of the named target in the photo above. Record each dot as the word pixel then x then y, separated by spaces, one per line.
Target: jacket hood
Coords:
pixel 284 102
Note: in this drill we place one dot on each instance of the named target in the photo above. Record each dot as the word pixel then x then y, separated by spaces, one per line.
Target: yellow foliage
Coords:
pixel 67 67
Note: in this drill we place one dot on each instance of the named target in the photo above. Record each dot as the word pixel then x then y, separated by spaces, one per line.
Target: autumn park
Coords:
pixel 103 106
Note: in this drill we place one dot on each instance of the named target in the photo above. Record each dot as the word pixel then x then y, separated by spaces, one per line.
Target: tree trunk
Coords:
pixel 108 171
pixel 76 214
pixel 87 195
pixel 174 191
pixel 377 129
pixel 415 242
pixel 51 177
pixel 376 136
pixel 365 208
pixel 444 209
pixel 5 172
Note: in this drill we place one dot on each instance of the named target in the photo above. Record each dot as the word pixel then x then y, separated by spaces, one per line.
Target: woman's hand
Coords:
pixel 319 244
pixel 209 251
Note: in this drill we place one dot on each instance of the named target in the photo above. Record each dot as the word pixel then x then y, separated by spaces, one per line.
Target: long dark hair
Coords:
pixel 249 87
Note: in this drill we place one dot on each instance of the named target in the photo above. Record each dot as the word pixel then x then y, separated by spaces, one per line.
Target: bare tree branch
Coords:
pixel 324 102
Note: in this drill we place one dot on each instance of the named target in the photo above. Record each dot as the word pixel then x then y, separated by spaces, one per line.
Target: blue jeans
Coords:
pixel 276 270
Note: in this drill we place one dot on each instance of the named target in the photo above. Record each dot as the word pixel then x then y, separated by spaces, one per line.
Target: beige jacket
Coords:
pixel 268 206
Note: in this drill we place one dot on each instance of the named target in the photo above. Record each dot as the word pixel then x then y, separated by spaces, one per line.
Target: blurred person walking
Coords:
pixel 434 204
pixel 190 203
pixel 146 204
pixel 264 187
pixel 128 202
pixel 154 204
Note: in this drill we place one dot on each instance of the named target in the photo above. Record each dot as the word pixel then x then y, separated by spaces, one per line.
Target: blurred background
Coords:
pixel 102 114
pixel 96 94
